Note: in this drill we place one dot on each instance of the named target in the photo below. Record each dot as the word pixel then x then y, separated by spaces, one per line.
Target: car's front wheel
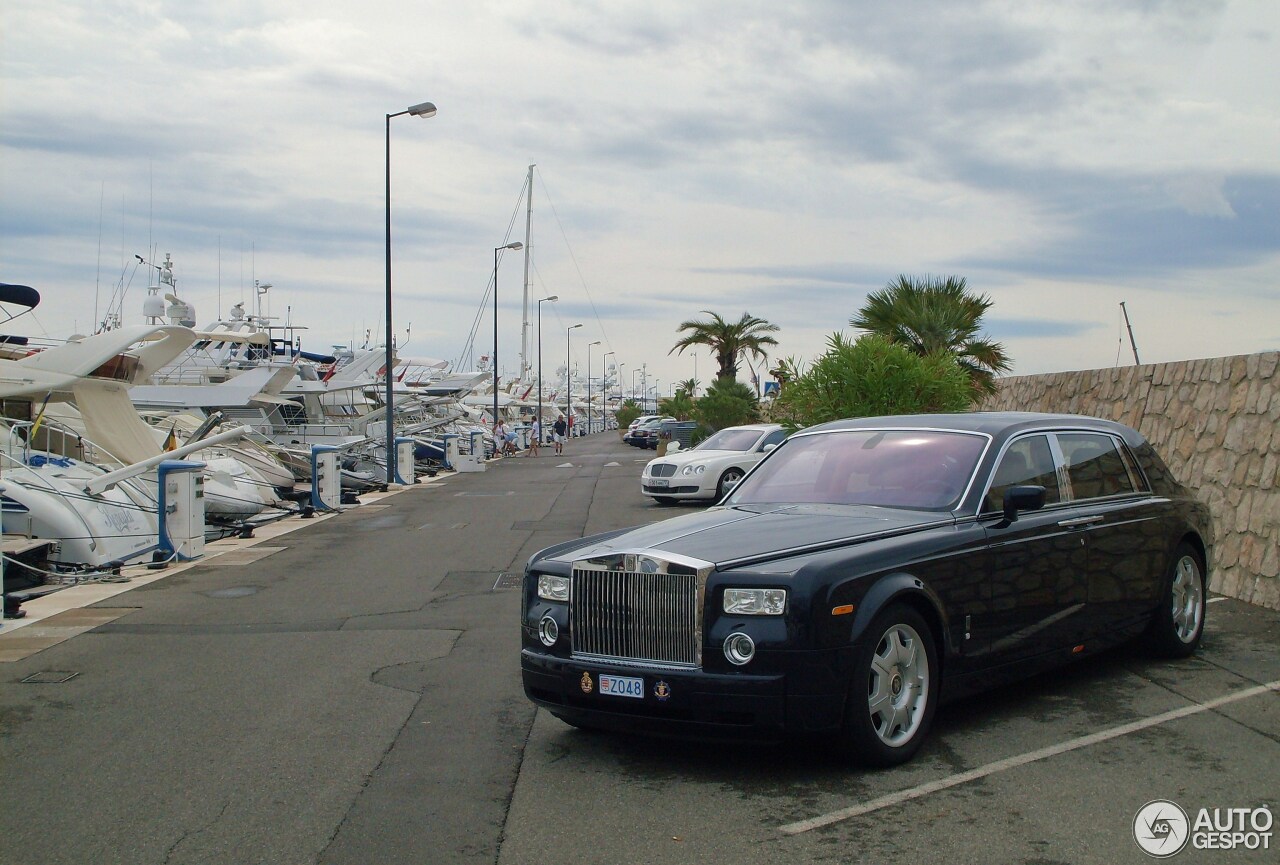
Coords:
pixel 894 690
pixel 728 480
pixel 1178 622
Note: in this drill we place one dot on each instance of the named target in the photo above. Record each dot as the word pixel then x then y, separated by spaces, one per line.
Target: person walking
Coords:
pixel 560 429
pixel 535 437
pixel 499 438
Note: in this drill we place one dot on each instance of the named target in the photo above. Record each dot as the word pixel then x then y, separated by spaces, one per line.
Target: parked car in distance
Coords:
pixel 646 435
pixel 865 572
pixel 711 468
pixel 636 424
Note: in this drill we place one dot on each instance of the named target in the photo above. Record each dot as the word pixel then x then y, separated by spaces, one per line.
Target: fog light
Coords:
pixel 548 631
pixel 739 649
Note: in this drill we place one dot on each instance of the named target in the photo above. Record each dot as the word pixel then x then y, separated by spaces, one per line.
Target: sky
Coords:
pixel 779 159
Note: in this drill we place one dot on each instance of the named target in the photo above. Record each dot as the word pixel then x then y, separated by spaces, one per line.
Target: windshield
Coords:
pixel 731 440
pixel 919 469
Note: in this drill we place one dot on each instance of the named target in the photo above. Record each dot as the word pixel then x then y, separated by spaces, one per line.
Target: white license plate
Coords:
pixel 659 483
pixel 622 686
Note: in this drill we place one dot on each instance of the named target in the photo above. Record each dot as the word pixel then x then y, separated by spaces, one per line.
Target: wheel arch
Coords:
pixel 1193 540
pixel 906 589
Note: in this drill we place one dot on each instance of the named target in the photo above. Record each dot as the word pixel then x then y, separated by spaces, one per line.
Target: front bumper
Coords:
pixel 693 703
pixel 677 488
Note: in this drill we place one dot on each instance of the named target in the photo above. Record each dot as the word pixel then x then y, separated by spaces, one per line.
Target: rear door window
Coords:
pixel 1095 466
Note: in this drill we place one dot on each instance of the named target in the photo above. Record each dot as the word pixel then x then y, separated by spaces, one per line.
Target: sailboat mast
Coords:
pixel 528 247
pixel 1132 343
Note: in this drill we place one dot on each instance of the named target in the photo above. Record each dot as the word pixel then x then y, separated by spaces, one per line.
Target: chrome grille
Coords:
pixel 662 470
pixel 636 617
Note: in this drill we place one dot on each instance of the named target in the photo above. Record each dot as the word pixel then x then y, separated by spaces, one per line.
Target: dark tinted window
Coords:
pixel 1094 465
pixel 774 438
pixel 1028 461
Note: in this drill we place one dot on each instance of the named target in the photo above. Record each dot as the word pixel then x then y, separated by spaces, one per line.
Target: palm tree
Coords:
pixel 728 340
pixel 932 315
pixel 689 387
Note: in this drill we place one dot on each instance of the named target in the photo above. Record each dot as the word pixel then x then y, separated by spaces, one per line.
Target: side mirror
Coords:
pixel 1022 498
pixel 770 446
pixel 673 446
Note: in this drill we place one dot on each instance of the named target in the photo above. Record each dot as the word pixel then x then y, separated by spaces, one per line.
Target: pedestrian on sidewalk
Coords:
pixel 535 437
pixel 559 430
pixel 501 447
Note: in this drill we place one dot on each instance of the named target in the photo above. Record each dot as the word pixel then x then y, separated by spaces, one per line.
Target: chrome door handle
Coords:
pixel 1081 521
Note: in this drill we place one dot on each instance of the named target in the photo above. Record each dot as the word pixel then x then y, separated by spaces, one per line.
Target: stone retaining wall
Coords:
pixel 1215 421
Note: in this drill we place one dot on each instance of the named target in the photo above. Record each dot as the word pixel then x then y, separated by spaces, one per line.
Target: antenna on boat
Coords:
pixel 1132 343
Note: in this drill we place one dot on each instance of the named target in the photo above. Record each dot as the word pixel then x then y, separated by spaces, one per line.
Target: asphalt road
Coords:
pixel 350 693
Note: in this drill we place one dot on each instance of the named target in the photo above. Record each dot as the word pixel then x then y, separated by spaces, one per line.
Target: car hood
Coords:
pixel 741 534
pixel 684 457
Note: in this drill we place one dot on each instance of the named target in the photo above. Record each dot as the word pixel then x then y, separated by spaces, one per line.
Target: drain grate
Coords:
pixel 49 677
pixel 507 581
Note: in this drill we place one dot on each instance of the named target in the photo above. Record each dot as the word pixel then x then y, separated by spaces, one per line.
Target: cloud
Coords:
pixel 786 159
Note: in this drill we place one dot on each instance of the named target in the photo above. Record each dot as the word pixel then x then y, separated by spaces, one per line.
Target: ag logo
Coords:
pixel 1161 828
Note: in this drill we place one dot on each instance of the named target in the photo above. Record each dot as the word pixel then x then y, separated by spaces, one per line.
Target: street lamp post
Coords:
pixel 633 386
pixel 568 378
pixel 597 342
pixel 553 298
pixel 422 109
pixel 516 245
pixel 604 388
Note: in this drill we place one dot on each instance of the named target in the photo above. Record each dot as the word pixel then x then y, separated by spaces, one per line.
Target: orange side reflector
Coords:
pixel 842 610
pixel 1077 650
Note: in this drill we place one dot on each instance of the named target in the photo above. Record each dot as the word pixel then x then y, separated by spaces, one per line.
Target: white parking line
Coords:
pixel 1215 600
pixel 1021 760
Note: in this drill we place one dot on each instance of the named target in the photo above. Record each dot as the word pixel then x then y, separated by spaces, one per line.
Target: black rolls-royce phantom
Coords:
pixel 866 571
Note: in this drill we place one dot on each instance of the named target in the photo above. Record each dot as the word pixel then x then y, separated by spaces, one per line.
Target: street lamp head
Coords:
pixel 572 326
pixel 597 342
pixel 516 245
pixel 423 109
pixel 552 297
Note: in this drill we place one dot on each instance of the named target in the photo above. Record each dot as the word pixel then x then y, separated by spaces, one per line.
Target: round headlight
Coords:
pixel 548 631
pixel 739 649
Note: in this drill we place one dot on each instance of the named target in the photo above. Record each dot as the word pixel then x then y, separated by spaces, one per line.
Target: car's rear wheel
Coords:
pixel 1178 622
pixel 727 480
pixel 894 690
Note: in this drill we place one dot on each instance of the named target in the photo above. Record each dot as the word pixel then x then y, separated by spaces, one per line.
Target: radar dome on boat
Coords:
pixel 181 312
pixel 153 306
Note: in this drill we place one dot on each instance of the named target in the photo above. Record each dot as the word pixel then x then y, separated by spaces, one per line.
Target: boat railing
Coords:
pixel 316 430
pixel 29 460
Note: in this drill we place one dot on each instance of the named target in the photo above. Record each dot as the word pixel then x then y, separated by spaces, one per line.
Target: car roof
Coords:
pixel 761 427
pixel 992 423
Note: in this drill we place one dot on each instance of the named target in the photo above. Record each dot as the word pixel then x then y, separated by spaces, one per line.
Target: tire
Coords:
pixel 730 477
pixel 664 500
pixel 1178 622
pixel 894 690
